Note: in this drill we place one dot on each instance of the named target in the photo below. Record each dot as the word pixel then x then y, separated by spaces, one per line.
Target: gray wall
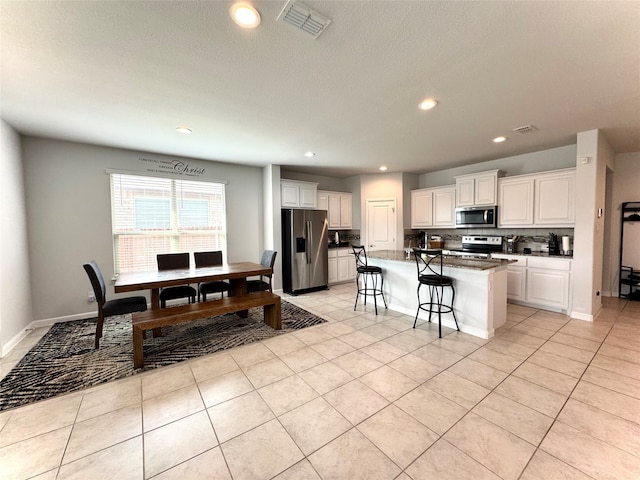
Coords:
pixel 552 159
pixel 15 290
pixel 623 185
pixel 69 217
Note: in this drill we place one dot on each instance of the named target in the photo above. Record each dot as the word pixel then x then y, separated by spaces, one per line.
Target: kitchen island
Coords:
pixel 481 289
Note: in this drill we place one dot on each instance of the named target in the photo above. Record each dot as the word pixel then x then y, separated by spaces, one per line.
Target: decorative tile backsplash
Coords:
pixel 535 239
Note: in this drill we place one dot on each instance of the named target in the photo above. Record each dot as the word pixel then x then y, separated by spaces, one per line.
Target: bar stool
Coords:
pixel 429 264
pixel 371 274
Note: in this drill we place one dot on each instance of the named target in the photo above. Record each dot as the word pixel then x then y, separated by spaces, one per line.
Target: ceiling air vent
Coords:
pixel 303 18
pixel 525 129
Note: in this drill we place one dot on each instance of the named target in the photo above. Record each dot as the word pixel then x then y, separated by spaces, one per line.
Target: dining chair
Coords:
pixel 118 306
pixel 173 261
pixel 210 259
pixel 268 260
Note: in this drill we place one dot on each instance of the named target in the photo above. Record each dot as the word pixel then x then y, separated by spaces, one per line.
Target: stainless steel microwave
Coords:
pixel 476 217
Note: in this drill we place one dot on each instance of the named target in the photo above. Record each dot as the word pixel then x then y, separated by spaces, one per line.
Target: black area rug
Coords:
pixel 65 359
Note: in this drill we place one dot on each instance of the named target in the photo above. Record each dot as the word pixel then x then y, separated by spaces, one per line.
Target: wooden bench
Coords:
pixel 156 318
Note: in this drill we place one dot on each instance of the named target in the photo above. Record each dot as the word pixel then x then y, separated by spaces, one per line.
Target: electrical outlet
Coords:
pixel 92 297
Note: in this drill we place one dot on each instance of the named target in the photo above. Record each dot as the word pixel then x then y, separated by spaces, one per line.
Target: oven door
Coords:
pixel 476 217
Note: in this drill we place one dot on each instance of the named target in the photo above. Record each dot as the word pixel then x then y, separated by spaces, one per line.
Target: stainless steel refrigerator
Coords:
pixel 305 250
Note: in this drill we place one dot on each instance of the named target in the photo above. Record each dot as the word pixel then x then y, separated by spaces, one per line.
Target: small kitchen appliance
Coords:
pixel 476 217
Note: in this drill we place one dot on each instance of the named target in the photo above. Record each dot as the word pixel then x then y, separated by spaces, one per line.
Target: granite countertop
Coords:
pixel 453 261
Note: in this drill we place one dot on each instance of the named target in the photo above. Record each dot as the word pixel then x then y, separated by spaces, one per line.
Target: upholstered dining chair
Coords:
pixel 268 260
pixel 118 306
pixel 210 259
pixel 172 261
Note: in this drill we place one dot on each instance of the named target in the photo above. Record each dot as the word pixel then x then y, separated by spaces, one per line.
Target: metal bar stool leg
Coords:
pixel 357 291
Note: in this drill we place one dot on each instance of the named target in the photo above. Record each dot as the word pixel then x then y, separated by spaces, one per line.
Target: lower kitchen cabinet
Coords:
pixel 542 282
pixel 342 265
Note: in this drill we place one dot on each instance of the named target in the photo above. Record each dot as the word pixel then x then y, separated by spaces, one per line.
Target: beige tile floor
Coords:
pixel 359 397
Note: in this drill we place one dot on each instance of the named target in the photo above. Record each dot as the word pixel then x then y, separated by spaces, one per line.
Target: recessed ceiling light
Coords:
pixel 383 168
pixel 245 15
pixel 309 154
pixel 428 104
pixel 499 139
pixel 183 130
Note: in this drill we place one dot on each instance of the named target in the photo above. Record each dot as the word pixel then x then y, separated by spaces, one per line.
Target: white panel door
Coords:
pixel 381 224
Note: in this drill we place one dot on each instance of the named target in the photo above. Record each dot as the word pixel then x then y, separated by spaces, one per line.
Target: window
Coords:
pixel 152 215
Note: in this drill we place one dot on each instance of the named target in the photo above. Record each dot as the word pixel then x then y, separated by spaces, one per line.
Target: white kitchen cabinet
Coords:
pixel 323 200
pixel 477 189
pixel 433 207
pixel 515 201
pixel 332 266
pixel 541 200
pixel 542 282
pixel 339 208
pixel 342 265
pixel 296 194
pixel 548 282
pixel 517 283
pixel 421 208
pixel 555 198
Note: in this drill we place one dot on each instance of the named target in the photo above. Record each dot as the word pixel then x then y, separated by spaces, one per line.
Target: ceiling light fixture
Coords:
pixel 499 139
pixel 183 130
pixel 428 104
pixel 309 154
pixel 383 168
pixel 245 15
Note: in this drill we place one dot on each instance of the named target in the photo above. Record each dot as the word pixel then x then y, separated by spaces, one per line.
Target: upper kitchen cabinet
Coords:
pixel 554 198
pixel 433 207
pixel 515 201
pixel 537 200
pixel 477 189
pixel 339 208
pixel 295 194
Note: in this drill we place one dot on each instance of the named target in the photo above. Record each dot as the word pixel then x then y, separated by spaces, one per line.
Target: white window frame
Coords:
pixel 175 239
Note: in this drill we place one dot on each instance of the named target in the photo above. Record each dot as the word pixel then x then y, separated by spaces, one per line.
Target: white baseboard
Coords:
pixel 47 322
pixel 582 316
pixel 11 344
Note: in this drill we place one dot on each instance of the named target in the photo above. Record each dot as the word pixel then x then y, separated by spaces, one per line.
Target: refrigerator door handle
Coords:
pixel 309 239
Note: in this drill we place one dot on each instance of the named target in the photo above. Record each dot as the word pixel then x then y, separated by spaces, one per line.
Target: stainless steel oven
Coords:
pixel 476 217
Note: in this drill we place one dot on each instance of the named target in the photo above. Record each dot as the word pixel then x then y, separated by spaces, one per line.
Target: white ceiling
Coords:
pixel 125 74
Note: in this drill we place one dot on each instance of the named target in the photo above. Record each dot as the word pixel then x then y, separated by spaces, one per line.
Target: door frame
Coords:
pixel 370 201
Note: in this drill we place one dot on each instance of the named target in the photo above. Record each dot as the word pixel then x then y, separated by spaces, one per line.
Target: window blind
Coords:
pixel 152 215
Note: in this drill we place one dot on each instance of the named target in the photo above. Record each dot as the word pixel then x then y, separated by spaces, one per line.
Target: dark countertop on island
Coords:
pixel 448 260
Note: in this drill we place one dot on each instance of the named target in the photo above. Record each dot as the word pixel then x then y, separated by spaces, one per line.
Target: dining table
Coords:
pixel 235 273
